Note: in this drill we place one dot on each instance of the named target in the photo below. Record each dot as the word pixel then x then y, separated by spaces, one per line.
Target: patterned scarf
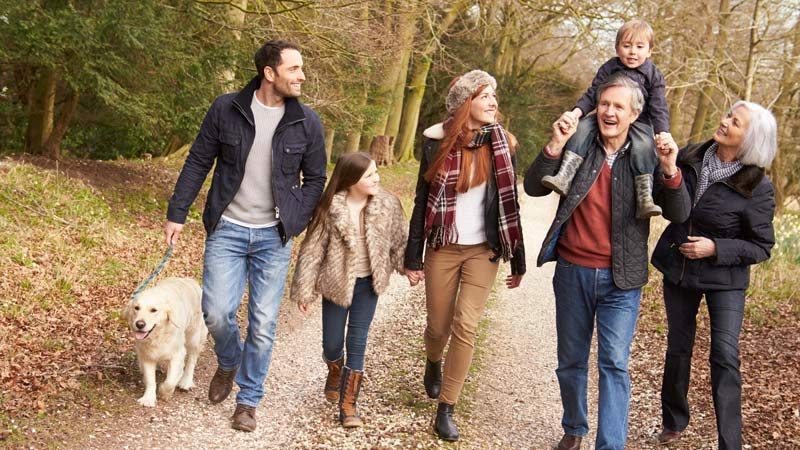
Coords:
pixel 714 170
pixel 440 214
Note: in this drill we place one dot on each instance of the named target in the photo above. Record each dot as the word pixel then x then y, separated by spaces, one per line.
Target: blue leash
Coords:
pixel 154 273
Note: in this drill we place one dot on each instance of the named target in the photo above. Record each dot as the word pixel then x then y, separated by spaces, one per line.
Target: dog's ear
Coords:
pixel 176 315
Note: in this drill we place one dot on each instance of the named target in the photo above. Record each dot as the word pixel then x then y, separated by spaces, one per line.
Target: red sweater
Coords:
pixel 586 241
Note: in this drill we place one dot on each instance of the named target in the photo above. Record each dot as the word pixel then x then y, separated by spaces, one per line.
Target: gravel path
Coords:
pixel 511 400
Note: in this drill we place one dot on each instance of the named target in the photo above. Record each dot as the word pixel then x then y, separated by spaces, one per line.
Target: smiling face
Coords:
pixel 633 50
pixel 484 108
pixel 615 113
pixel 733 128
pixel 145 313
pixel 369 184
pixel 288 76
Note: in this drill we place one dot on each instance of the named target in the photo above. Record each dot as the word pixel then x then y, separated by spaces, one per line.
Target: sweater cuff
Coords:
pixel 673 182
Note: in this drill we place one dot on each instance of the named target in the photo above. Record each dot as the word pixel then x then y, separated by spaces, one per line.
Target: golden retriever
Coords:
pixel 167 324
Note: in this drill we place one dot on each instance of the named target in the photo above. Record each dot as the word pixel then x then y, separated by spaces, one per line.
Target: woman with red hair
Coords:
pixel 466 210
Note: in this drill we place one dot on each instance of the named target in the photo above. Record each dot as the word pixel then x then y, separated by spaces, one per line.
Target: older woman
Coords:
pixel 729 204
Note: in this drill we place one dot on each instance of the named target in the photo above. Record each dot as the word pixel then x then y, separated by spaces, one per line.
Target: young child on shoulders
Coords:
pixel 634 45
pixel 356 239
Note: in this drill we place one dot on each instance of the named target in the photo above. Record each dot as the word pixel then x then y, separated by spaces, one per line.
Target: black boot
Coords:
pixel 444 425
pixel 433 378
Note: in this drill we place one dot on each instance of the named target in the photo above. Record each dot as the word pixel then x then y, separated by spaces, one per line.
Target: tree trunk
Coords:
pixel 408 126
pixel 381 150
pixel 41 109
pixel 783 174
pixel 235 17
pixel 52 146
pixel 352 142
pixel 750 70
pixel 398 96
pixel 329 134
pixel 704 96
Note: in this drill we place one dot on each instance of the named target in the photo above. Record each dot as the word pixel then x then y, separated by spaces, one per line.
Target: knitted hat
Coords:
pixel 466 85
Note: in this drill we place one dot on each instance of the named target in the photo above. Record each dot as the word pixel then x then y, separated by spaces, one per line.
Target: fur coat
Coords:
pixel 326 263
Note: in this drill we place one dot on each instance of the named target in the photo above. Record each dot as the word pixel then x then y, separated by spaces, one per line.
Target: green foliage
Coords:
pixel 142 70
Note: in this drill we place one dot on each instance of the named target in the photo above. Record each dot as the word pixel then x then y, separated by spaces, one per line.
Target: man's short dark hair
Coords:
pixel 270 54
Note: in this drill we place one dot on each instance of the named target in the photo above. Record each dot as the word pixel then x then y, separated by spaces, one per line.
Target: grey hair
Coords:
pixel 760 142
pixel 619 79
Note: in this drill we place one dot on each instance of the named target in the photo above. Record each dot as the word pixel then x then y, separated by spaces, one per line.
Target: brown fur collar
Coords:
pixel 377 212
pixel 744 181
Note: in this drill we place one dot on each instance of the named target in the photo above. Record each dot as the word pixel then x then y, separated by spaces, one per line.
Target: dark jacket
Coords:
pixel 416 229
pixel 736 213
pixel 226 137
pixel 628 234
pixel 650 81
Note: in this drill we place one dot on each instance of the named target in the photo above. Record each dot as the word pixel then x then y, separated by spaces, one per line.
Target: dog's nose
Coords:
pixel 140 324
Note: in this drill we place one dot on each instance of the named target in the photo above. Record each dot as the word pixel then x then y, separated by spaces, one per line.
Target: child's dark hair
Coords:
pixel 270 54
pixel 349 169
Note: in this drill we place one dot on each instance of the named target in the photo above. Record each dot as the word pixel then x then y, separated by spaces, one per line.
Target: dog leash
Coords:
pixel 154 273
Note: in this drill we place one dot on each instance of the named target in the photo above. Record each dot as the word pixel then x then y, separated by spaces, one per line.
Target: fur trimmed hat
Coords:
pixel 466 85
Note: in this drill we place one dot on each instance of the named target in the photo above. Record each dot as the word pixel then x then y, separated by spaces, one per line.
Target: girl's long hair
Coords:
pixel 349 169
pixel 456 133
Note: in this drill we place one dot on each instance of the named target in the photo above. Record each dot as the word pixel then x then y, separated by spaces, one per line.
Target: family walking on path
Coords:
pixel 613 170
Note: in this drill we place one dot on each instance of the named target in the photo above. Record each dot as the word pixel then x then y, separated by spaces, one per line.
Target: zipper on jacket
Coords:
pixel 683 266
pixel 277 212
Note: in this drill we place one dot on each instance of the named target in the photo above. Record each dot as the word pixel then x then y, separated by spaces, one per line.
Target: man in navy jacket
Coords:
pixel 262 140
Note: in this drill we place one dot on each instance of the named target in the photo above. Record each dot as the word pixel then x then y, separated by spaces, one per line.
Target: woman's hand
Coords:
pixel 698 247
pixel 415 276
pixel 667 151
pixel 303 307
pixel 513 281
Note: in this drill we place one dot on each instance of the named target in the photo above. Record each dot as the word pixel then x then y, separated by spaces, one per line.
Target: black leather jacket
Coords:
pixel 226 137
pixel 416 230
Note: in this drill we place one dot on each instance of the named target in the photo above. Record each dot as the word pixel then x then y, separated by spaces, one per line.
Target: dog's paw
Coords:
pixel 186 386
pixel 148 401
pixel 165 392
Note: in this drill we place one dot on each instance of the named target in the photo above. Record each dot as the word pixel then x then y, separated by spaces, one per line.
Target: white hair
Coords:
pixel 760 142
pixel 619 79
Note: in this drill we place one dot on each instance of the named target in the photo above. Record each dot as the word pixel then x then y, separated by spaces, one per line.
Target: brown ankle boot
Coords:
pixel 334 379
pixel 221 385
pixel 645 207
pixel 244 418
pixel 348 398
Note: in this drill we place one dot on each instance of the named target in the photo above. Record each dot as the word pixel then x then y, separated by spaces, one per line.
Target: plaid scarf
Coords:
pixel 714 170
pixel 440 214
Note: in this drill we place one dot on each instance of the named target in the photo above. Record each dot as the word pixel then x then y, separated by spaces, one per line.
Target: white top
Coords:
pixel 254 206
pixel 470 208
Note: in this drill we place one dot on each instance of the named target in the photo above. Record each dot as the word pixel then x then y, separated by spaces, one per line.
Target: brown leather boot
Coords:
pixel 334 379
pixel 569 442
pixel 221 385
pixel 244 418
pixel 668 436
pixel 348 398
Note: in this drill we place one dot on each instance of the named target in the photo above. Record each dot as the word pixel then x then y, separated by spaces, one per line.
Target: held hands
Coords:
pixel 415 276
pixel 698 247
pixel 563 129
pixel 667 151
pixel 304 309
pixel 513 281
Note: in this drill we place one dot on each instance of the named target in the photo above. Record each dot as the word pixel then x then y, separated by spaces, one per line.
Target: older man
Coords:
pixel 600 249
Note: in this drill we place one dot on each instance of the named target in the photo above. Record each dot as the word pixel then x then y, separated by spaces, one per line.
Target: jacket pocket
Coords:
pixel 230 144
pixel 292 157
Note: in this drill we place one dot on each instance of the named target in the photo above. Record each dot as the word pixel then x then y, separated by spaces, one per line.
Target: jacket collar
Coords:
pixel 744 181
pixel 435 131
pixel 376 211
pixel 293 112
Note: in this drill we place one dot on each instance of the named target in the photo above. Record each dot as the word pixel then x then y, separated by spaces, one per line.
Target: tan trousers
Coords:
pixel 458 280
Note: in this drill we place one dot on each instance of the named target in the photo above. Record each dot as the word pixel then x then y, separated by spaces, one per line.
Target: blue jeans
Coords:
pixel 583 296
pixel 236 255
pixel 358 318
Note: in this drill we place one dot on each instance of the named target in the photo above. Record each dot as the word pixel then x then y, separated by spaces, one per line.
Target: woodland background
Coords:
pixel 100 99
